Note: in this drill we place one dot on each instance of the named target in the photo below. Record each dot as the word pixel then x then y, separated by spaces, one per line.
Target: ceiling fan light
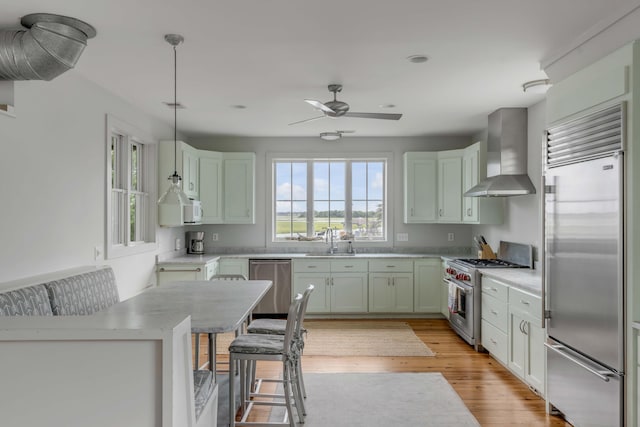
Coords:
pixel 330 136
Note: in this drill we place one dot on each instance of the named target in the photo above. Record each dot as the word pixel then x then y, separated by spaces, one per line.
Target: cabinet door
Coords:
pixel 320 298
pixel 470 178
pixel 381 293
pixel 239 187
pixel 450 189
pixel 210 182
pixel 349 293
pixel 427 286
pixel 517 344
pixel 535 354
pixel 420 187
pixel 234 266
pixel 402 285
pixel 190 171
pixel 444 292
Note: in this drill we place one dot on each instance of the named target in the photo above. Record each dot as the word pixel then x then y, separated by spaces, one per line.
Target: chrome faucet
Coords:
pixel 332 248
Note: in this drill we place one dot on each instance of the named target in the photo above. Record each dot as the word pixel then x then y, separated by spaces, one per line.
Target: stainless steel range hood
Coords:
pixel 506 156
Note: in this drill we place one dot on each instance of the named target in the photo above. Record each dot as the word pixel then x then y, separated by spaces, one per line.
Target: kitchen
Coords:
pixel 60 124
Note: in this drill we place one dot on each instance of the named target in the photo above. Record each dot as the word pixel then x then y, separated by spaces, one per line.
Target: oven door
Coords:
pixel 461 309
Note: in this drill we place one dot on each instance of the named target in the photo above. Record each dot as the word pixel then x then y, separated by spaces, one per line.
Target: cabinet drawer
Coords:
pixel 495 312
pixel 527 303
pixel 308 265
pixel 391 265
pixel 346 265
pixel 495 341
pixel 495 288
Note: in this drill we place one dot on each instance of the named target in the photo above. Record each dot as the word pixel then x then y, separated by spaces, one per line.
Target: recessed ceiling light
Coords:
pixel 387 105
pixel 239 107
pixel 417 59
pixel 536 86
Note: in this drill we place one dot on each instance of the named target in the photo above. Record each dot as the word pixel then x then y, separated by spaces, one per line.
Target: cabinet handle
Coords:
pixel 348 266
pixel 393 281
pixel 388 281
pixel 494 312
pixel 169 270
pixel 391 266
pixel 493 341
pixel 311 266
pixel 326 281
pixel 332 281
pixel 440 211
pixel 494 289
pixel 524 302
pixel 525 327
pixel 469 212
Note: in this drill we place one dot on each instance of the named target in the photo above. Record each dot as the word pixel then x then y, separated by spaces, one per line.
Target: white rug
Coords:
pixel 383 400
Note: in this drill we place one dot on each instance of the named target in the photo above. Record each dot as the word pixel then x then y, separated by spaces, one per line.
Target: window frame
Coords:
pixel 147 184
pixel 385 157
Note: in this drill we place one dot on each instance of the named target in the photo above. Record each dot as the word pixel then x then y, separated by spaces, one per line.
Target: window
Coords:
pixel 131 190
pixel 344 195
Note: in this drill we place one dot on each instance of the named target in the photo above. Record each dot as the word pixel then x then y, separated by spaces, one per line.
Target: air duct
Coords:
pixel 51 45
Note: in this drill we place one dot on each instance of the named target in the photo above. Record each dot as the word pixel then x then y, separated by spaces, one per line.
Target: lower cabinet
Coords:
pixel 427 285
pixel 340 285
pixel 512 331
pixel 168 273
pixel 234 266
pixel 391 292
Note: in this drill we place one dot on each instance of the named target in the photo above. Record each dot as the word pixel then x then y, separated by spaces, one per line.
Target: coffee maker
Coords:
pixel 195 242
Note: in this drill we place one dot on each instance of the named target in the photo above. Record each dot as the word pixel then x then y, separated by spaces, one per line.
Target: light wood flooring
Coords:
pixel 490 391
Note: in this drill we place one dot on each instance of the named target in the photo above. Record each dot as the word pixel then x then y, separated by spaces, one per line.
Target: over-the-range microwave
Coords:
pixel 193 212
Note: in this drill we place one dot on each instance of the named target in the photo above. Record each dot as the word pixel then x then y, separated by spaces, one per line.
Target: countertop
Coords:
pixel 523 278
pixel 203 259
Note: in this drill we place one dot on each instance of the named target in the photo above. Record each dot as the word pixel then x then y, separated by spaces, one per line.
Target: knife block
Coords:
pixel 486 252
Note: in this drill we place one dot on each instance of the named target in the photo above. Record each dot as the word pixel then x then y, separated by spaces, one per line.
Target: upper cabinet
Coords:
pixel 434 184
pixel 420 187
pixel 184 161
pixel 223 182
pixel 478 210
pixel 239 188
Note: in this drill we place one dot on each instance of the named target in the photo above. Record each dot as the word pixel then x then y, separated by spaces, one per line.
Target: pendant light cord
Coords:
pixel 175 111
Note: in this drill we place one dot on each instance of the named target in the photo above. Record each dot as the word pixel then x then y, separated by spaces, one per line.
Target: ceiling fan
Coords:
pixel 337 108
pixel 332 136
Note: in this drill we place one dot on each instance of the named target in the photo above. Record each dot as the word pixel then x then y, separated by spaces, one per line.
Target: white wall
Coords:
pixel 522 220
pixel 52 169
pixel 255 236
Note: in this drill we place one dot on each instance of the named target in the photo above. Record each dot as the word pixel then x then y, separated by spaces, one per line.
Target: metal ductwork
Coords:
pixel 51 45
pixel 506 156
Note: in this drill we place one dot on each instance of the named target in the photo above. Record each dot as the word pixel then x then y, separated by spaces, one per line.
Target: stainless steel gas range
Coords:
pixel 463 277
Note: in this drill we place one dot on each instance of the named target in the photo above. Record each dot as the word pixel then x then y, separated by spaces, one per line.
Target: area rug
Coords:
pixel 355 338
pixel 382 400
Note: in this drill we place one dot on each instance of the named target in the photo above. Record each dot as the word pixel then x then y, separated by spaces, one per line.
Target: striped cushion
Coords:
pixel 83 293
pixel 257 344
pixel 203 386
pixel 30 301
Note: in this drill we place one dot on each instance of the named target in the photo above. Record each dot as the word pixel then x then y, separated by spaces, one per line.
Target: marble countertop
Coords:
pixel 525 279
pixel 203 259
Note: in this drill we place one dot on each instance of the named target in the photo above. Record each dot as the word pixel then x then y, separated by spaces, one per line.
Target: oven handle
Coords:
pixel 465 288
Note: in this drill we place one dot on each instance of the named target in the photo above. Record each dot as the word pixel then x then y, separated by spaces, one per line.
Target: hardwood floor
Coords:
pixel 490 391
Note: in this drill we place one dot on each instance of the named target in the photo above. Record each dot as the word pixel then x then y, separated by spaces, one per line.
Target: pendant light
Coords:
pixel 174 196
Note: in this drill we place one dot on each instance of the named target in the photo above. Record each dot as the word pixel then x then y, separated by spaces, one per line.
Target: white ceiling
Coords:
pixel 270 55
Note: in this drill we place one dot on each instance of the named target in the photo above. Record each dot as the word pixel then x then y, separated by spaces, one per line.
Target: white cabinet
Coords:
pixel 234 266
pixel 450 186
pixel 340 285
pixel 420 187
pixel 175 272
pixel 239 188
pixel 391 286
pixel 494 325
pixel 478 210
pixel 427 279
pixel 526 338
pixel 210 182
pixel 185 163
pixel 444 291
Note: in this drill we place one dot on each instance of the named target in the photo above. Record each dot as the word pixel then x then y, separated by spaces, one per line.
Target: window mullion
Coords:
pixel 310 207
pixel 348 202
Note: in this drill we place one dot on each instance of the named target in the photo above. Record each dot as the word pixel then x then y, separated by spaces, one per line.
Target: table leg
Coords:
pixel 212 355
pixel 197 350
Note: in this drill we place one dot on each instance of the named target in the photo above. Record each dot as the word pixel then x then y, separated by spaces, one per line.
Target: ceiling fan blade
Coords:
pixel 307 120
pixel 319 105
pixel 384 116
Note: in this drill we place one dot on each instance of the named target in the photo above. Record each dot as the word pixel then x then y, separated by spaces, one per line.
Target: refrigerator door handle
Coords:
pixel 603 375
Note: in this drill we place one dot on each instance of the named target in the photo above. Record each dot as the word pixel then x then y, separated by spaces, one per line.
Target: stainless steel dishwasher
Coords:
pixel 277 300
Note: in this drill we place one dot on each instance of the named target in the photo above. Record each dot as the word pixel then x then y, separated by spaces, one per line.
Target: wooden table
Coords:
pixel 214 306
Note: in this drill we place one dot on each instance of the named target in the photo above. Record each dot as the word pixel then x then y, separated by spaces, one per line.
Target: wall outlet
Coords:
pixel 402 237
pixel 97 253
pixel 214 237
pixel 178 244
pixel 451 237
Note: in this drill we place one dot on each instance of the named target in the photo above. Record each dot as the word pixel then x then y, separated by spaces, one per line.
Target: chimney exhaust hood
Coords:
pixel 506 156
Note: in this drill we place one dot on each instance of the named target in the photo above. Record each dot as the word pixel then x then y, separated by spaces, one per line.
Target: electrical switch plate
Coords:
pixel 214 237
pixel 451 237
pixel 402 237
pixel 97 252
pixel 178 244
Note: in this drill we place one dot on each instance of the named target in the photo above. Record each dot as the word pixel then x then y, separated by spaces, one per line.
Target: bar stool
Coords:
pixel 250 348
pixel 277 327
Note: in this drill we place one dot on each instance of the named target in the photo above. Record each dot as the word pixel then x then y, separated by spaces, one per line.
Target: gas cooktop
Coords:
pixel 489 263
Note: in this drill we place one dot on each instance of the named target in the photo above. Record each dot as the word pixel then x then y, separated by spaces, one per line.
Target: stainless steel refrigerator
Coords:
pixel 584 268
